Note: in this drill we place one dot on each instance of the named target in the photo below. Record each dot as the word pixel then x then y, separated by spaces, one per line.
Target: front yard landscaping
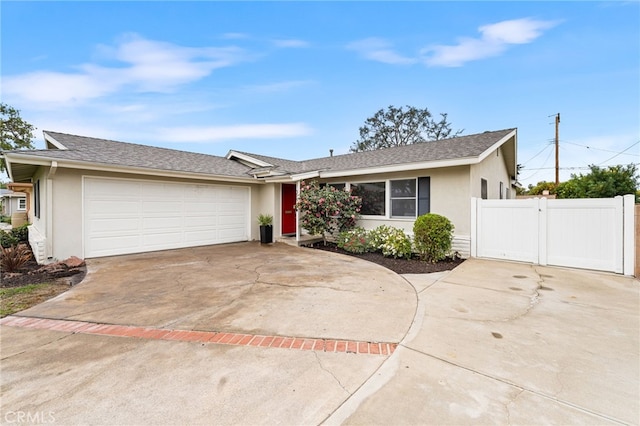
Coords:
pixel 400 265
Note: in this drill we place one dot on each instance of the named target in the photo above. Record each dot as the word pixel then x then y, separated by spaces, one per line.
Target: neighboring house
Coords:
pixel 95 197
pixel 12 202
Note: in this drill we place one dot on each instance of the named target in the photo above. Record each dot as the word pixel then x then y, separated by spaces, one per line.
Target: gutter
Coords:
pixel 56 163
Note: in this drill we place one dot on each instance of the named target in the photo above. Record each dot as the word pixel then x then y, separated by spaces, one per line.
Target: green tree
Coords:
pixel 15 133
pixel 397 127
pixel 540 187
pixel 601 183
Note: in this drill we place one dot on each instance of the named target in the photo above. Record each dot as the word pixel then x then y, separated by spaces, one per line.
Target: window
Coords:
pixel 22 203
pixel 338 186
pixel 403 198
pixel 373 197
pixel 501 190
pixel 483 189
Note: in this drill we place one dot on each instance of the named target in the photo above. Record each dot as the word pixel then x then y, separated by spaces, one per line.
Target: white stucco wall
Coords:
pixel 494 170
pixel 450 197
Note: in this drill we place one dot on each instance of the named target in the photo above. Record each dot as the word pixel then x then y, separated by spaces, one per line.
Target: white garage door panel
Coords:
pixel 126 243
pixel 131 216
pixel 162 223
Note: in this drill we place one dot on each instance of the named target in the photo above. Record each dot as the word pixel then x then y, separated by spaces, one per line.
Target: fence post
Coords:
pixel 541 207
pixel 474 227
pixel 628 234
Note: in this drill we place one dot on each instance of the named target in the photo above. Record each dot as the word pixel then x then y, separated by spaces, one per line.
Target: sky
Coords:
pixel 296 79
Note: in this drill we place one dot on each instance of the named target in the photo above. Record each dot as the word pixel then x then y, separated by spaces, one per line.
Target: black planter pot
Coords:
pixel 266 234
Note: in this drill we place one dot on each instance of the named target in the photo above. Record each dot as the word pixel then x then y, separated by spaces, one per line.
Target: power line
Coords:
pixel 538 170
pixel 599 149
pixel 622 152
pixel 576 167
pixel 540 152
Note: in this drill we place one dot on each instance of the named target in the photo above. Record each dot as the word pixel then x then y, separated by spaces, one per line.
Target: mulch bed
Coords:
pixel 399 266
pixel 32 273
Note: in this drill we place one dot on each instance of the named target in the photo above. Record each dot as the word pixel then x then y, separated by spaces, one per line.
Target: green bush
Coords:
pixel 393 242
pixel 21 233
pixel 355 240
pixel 14 237
pixel 7 239
pixel 432 236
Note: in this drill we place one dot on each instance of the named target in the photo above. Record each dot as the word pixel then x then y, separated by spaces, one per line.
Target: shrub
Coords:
pixel 15 236
pixel 432 235
pixel 13 258
pixel 7 239
pixel 355 240
pixel 327 210
pixel 21 233
pixel 393 242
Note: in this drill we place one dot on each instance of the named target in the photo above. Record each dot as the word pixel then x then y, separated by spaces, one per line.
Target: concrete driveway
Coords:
pixel 251 334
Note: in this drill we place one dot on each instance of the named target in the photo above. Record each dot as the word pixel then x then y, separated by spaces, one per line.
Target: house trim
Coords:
pixel 85 165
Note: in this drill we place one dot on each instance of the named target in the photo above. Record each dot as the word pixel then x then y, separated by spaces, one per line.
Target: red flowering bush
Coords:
pixel 327 210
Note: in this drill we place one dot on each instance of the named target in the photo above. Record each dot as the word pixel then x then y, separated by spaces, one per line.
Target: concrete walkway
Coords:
pixel 490 342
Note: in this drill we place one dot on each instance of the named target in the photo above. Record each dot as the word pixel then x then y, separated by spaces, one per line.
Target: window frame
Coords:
pixel 350 186
pixel 414 198
pixel 388 197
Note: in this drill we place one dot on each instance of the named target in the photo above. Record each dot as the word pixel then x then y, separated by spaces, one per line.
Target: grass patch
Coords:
pixel 16 299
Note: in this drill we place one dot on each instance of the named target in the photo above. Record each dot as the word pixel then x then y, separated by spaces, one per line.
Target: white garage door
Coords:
pixel 132 216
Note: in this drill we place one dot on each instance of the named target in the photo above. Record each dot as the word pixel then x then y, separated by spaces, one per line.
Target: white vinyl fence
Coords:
pixel 594 233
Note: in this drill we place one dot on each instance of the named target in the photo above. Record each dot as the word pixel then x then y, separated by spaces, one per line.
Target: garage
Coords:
pixel 122 216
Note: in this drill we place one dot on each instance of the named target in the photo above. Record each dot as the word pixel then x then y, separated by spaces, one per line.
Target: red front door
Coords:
pixel 288 209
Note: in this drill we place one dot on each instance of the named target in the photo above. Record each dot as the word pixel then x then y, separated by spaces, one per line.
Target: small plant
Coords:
pixel 396 244
pixel 13 258
pixel 7 239
pixel 21 233
pixel 355 240
pixel 14 237
pixel 432 236
pixel 265 219
pixel 392 242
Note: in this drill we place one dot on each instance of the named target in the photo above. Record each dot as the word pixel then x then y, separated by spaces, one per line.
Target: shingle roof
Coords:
pixel 446 149
pixel 121 154
pixel 108 152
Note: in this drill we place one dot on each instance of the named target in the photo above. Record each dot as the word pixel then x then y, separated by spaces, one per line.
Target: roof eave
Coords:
pixel 400 167
pixel 244 158
pixel 85 165
pixel 51 140
pixel 498 144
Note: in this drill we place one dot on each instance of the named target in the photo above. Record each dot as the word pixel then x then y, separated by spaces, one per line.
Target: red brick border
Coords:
pixel 214 337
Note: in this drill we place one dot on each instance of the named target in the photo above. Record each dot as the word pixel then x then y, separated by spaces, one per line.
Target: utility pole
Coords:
pixel 557 150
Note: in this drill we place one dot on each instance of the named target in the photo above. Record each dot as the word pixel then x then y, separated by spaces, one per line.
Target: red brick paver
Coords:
pixel 213 337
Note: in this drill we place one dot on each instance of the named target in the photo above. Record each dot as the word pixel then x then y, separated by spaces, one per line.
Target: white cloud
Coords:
pixel 143 66
pixel 379 50
pixel 290 43
pixel 495 39
pixel 235 36
pixel 281 86
pixel 241 131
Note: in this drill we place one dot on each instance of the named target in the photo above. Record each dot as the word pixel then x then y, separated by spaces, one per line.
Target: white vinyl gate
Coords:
pixel 595 233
